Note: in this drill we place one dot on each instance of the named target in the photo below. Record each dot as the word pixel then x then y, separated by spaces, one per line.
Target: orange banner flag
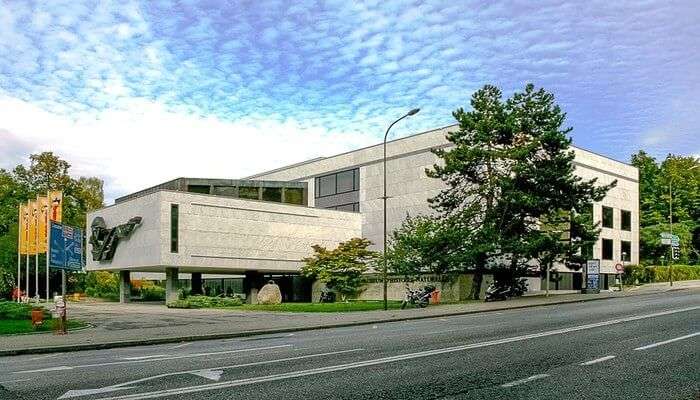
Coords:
pixel 33 214
pixel 23 228
pixel 42 225
pixel 56 206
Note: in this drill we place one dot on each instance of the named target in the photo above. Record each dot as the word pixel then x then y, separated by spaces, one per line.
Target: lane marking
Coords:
pixel 128 385
pixel 66 367
pixel 651 346
pixel 144 357
pixel 211 374
pixel 597 360
pixel 525 380
pixel 181 345
pixel 384 360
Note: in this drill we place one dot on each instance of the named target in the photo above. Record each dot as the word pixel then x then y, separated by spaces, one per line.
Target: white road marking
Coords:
pixel 144 357
pixel 43 357
pixel 211 374
pixel 83 392
pixel 651 346
pixel 65 367
pixel 181 345
pixel 597 360
pixel 385 360
pixel 525 380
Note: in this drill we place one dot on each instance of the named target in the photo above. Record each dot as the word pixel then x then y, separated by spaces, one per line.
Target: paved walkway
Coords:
pixel 117 325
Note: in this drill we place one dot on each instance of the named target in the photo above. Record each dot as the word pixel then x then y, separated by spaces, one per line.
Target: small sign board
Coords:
pixel 593 274
pixel 66 247
pixel 619 268
pixel 666 241
pixel 669 235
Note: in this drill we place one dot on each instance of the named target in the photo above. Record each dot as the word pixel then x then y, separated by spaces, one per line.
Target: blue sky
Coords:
pixel 140 92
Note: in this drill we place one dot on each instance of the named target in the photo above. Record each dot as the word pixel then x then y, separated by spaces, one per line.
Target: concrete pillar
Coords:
pixel 252 282
pixel 171 284
pixel 124 286
pixel 196 283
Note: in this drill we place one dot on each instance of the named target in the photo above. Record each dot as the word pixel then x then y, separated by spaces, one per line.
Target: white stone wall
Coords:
pixel 409 188
pixel 225 235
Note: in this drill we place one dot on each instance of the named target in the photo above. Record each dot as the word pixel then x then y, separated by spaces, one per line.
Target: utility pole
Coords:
pixel 670 221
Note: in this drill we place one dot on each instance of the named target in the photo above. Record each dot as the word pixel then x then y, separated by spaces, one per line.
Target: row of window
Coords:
pixel 339 182
pixel 355 207
pixel 291 195
pixel 609 251
pixel 609 218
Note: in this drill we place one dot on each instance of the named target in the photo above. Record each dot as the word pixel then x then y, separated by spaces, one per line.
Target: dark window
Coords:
pixel 248 192
pixel 340 182
pixel 204 189
pixel 174 227
pixel 326 185
pixel 228 191
pixel 625 220
pixel 607 249
pixel 607 217
pixel 294 196
pixel 272 194
pixel 625 250
pixel 355 207
pixel 345 181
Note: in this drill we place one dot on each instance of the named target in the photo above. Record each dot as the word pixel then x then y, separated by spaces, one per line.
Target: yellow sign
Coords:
pixel 42 223
pixel 23 228
pixel 33 214
pixel 55 205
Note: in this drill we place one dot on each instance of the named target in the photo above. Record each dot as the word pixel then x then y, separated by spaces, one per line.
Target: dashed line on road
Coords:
pixel 651 346
pixel 525 380
pixel 597 360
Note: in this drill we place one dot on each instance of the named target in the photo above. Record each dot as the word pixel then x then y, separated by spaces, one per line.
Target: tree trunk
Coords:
pixel 476 284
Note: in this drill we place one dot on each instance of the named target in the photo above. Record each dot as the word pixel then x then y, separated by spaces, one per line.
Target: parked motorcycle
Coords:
pixel 327 297
pixel 504 291
pixel 417 298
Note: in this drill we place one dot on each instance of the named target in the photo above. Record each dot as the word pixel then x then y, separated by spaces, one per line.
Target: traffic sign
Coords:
pixel 668 235
pixel 619 268
pixel 675 242
pixel 666 241
pixel 675 252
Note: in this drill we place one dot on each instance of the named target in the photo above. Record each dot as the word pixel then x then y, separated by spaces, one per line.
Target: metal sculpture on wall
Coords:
pixel 105 240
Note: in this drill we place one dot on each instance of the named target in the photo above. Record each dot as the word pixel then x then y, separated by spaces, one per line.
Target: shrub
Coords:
pixel 635 274
pixel 12 310
pixel 102 284
pixel 154 293
pixel 206 302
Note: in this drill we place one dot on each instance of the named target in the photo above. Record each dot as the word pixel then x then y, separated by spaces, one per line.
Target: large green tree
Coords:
pixel 45 172
pixel 510 184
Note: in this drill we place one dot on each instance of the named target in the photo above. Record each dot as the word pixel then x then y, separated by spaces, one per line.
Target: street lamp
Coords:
pixel 670 223
pixel 384 270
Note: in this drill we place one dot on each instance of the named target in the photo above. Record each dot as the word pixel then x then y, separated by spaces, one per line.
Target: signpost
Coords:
pixel 620 269
pixel 60 307
pixel 669 239
pixel 592 277
pixel 65 247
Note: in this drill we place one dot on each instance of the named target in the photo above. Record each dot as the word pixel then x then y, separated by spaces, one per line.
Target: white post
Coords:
pixel 19 261
pixel 36 257
pixel 48 242
pixel 26 280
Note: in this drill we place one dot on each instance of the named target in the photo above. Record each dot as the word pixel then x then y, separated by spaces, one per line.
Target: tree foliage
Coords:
pixel 654 181
pixel 341 269
pixel 45 172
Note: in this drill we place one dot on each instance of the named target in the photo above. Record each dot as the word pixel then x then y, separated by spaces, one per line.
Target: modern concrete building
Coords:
pixel 248 227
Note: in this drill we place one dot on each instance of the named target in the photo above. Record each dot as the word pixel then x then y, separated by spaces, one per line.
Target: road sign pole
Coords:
pixel 670 222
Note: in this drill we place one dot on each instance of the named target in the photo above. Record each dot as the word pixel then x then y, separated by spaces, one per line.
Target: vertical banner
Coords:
pixel 56 206
pixel 33 214
pixel 23 229
pixel 43 203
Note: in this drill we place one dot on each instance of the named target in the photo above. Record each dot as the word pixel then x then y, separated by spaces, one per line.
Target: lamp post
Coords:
pixel 384 269
pixel 670 223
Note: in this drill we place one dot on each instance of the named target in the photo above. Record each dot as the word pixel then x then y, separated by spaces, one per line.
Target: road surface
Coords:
pixel 642 347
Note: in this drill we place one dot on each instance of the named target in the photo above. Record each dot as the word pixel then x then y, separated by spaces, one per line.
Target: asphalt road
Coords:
pixel 643 347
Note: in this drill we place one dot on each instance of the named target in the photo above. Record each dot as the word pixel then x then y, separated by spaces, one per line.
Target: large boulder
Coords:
pixel 270 294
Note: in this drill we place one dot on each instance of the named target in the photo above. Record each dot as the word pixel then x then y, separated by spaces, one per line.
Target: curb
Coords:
pixel 216 336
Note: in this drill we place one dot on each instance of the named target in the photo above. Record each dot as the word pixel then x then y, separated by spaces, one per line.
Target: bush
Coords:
pixel 102 284
pixel 637 274
pixel 18 311
pixel 154 293
pixel 206 302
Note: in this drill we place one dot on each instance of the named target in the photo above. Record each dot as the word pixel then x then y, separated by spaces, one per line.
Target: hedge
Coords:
pixel 17 311
pixel 206 302
pixel 637 274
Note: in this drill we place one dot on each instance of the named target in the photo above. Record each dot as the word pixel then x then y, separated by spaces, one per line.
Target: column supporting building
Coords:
pixel 172 284
pixel 124 286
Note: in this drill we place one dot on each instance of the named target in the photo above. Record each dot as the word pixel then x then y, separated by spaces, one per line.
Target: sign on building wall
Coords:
pixel 66 247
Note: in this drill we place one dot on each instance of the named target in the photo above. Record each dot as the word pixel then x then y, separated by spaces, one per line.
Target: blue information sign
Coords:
pixel 66 247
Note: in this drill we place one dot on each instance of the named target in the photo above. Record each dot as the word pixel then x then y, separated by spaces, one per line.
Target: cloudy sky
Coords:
pixel 141 92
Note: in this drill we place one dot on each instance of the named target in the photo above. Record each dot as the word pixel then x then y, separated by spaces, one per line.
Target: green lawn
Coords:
pixel 13 326
pixel 321 307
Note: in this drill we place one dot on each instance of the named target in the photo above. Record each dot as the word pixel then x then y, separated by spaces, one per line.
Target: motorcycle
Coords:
pixel 419 298
pixel 504 291
pixel 327 297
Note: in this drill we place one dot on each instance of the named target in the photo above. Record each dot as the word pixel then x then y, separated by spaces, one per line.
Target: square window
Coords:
pixel 248 192
pixel 607 217
pixel 345 181
pixel 272 194
pixel 625 220
pixel 326 185
pixel 294 196
pixel 607 249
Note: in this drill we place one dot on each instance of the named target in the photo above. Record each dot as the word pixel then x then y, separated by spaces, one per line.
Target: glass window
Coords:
pixel 174 227
pixel 346 181
pixel 204 189
pixel 326 185
pixel 228 191
pixel 357 178
pixel 625 220
pixel 294 196
pixel 272 194
pixel 625 250
pixel 607 249
pixel 248 192
pixel 607 217
pixel 356 207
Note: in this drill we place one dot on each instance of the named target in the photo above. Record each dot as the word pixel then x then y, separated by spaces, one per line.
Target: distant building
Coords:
pixel 249 226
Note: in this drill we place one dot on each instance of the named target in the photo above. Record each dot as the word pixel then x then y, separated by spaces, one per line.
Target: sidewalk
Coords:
pixel 120 325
